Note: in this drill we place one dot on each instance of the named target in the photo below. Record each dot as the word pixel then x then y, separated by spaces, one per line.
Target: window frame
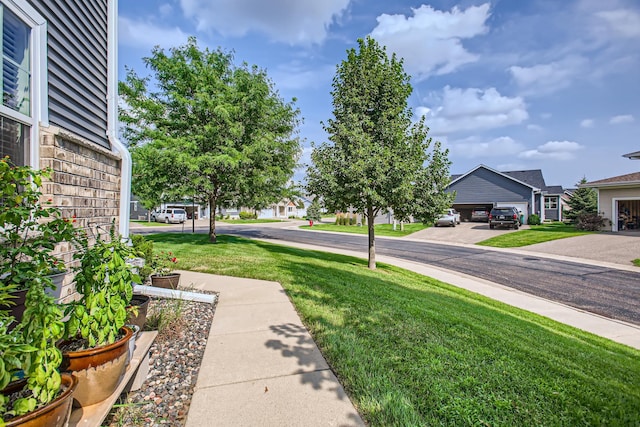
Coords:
pixel 548 200
pixel 39 108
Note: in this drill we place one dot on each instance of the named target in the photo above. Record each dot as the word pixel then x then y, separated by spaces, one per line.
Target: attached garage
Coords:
pixel 619 201
pixel 485 187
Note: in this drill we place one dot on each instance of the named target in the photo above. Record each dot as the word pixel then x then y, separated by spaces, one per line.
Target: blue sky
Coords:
pixel 536 84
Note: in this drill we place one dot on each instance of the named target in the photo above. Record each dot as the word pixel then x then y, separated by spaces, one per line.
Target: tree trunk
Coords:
pixel 372 238
pixel 212 219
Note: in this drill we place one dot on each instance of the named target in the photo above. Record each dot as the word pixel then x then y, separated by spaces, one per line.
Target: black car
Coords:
pixel 504 217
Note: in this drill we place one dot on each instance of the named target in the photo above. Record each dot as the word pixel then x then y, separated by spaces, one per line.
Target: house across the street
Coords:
pixel 525 190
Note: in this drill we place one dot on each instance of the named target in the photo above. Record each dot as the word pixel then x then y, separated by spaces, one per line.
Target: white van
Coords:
pixel 173 216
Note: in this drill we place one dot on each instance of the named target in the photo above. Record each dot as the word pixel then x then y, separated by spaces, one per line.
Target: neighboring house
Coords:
pixel 632 156
pixel 286 208
pixel 59 80
pixel 619 200
pixel 526 190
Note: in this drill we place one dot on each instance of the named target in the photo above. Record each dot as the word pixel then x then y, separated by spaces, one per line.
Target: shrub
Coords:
pixel 590 222
pixel 144 249
pixel 534 219
pixel 248 215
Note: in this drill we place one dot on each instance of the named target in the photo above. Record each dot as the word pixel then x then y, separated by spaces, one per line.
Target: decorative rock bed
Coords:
pixel 174 364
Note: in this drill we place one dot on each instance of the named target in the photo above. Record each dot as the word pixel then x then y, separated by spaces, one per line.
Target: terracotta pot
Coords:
pixel 169 281
pixel 55 414
pixel 99 370
pixel 142 302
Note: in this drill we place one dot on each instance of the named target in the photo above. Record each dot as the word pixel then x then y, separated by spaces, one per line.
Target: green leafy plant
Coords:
pixel 247 215
pixel 144 249
pixel 30 233
pixel 31 229
pixel 164 263
pixel 534 219
pixel 104 280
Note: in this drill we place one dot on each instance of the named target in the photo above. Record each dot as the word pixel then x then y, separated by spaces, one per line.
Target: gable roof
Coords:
pixel 632 156
pixel 627 179
pixel 531 178
pixel 555 189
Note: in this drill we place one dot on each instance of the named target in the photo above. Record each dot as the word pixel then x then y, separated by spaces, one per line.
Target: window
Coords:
pixel 16 69
pixel 20 26
pixel 550 202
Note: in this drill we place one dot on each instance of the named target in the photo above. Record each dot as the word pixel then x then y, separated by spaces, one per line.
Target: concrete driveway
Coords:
pixel 465 232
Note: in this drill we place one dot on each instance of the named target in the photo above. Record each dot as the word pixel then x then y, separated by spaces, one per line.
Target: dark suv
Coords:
pixel 504 217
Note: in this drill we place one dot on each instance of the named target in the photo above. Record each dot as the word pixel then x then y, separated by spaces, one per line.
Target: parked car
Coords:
pixel 480 214
pixel 455 213
pixel 504 217
pixel 152 215
pixel 174 216
pixel 446 219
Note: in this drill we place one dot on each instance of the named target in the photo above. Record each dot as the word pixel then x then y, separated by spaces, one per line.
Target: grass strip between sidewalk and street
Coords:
pixel 248 221
pixel 536 234
pixel 380 229
pixel 411 350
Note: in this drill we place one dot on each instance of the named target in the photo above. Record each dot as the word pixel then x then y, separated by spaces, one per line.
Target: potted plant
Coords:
pixel 96 346
pixel 43 396
pixel 164 275
pixel 30 232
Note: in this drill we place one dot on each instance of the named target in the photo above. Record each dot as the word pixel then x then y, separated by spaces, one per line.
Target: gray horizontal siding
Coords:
pixel 485 187
pixel 77 66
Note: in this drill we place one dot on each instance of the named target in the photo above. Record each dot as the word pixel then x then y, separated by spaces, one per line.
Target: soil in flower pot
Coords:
pixel 142 302
pixel 55 414
pixel 99 370
pixel 169 281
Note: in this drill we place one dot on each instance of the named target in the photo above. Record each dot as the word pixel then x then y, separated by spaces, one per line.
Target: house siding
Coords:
pixel 77 66
pixel 483 186
pixel 86 180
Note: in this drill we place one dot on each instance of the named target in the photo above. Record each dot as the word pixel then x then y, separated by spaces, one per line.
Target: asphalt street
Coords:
pixel 610 292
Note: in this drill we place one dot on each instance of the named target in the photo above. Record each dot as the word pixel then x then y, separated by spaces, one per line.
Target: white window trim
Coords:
pixel 38 57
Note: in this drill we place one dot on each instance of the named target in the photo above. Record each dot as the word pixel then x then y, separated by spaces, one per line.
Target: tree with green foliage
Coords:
pixel 208 129
pixel 377 158
pixel 314 211
pixel 583 201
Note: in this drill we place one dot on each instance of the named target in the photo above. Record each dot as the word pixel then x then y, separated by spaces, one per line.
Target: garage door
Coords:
pixel 523 208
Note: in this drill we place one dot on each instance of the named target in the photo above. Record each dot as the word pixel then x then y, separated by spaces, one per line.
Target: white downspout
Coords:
pixel 112 117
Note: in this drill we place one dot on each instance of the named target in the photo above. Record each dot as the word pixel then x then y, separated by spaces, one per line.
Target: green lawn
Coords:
pixel 247 221
pixel 149 223
pixel 381 229
pixel 413 351
pixel 537 234
pixel 636 262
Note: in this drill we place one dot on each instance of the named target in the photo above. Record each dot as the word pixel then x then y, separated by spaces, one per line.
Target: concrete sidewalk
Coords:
pixel 261 366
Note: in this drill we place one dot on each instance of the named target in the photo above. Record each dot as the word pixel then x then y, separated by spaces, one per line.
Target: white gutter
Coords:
pixel 112 117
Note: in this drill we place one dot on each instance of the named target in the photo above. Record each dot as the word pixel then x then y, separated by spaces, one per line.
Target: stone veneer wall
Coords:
pixel 85 186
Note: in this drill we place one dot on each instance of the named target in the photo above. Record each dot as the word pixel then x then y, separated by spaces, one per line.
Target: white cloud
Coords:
pixel 536 128
pixel 297 76
pixel 293 22
pixel 147 35
pixel 166 10
pixel 622 22
pixel 626 118
pixel 552 150
pixel 543 79
pixel 473 147
pixel 586 123
pixel 430 41
pixel 473 109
